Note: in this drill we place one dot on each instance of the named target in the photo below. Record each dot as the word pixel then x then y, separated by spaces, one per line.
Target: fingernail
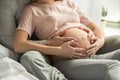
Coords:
pixel 72 40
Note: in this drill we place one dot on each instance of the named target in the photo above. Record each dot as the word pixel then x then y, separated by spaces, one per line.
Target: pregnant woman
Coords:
pixel 80 38
pixel 49 19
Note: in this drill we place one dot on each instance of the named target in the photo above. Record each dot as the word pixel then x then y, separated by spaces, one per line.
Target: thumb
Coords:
pixel 71 43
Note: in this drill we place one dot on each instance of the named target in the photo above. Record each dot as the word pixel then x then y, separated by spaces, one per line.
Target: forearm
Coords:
pixel 24 46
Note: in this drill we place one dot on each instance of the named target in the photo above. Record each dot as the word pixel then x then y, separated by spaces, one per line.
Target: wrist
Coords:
pixel 47 42
pixel 51 50
pixel 43 42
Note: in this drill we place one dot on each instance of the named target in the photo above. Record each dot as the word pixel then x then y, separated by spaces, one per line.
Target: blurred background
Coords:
pixel 105 13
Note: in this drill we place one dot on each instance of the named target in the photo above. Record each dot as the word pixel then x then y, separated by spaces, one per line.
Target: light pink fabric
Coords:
pixel 47 19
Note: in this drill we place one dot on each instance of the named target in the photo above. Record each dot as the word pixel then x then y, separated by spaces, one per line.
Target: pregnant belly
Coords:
pixel 79 34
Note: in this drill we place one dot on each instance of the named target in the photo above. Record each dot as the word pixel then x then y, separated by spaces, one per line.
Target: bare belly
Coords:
pixel 80 35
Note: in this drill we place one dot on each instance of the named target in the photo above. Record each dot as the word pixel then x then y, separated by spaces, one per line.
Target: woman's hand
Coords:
pixel 94 47
pixel 68 47
pixel 68 51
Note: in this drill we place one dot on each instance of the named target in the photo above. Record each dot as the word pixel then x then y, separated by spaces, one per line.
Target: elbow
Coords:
pixel 17 47
pixel 20 39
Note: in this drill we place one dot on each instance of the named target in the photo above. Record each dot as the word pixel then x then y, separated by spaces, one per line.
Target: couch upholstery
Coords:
pixel 10 11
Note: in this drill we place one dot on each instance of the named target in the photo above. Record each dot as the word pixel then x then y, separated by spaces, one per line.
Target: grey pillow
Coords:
pixel 10 11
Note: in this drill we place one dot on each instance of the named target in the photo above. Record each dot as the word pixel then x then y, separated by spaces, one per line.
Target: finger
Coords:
pixel 91 46
pixel 65 39
pixel 93 38
pixel 90 34
pixel 79 56
pixel 74 44
pixel 90 50
pixel 92 41
pixel 80 50
pixel 60 33
pixel 69 43
pixel 91 53
pixel 56 37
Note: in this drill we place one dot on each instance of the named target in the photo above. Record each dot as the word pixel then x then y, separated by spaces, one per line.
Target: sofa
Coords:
pixel 10 11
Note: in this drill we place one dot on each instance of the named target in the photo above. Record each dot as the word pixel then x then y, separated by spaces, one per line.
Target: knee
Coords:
pixel 113 71
pixel 31 56
pixel 116 55
pixel 112 64
pixel 28 56
pixel 117 41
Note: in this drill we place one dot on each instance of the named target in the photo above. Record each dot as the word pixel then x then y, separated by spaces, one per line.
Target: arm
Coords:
pixel 86 21
pixel 96 42
pixel 26 28
pixel 22 44
pixel 98 39
pixel 99 33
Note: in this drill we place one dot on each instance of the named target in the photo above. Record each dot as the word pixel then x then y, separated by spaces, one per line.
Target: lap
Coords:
pixel 113 55
pixel 32 55
pixel 39 65
pixel 85 69
pixel 111 43
pixel 77 67
pixel 90 69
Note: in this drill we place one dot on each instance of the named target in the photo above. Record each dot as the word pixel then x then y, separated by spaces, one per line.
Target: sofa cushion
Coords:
pixel 10 11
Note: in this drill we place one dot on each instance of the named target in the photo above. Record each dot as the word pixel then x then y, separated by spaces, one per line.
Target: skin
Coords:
pixel 81 37
pixel 66 50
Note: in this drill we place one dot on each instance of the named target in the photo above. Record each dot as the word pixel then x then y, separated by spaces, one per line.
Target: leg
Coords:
pixel 114 55
pixel 89 69
pixel 111 43
pixel 37 65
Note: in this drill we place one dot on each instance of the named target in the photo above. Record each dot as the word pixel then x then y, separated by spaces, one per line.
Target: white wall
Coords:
pixel 92 8
pixel 113 8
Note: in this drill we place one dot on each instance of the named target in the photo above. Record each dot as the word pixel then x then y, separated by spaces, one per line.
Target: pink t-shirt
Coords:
pixel 47 19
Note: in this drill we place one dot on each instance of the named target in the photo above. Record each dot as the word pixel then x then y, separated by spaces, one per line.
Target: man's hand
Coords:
pixel 57 40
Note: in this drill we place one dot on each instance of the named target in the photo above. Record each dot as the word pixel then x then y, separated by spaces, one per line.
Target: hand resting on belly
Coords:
pixel 79 34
